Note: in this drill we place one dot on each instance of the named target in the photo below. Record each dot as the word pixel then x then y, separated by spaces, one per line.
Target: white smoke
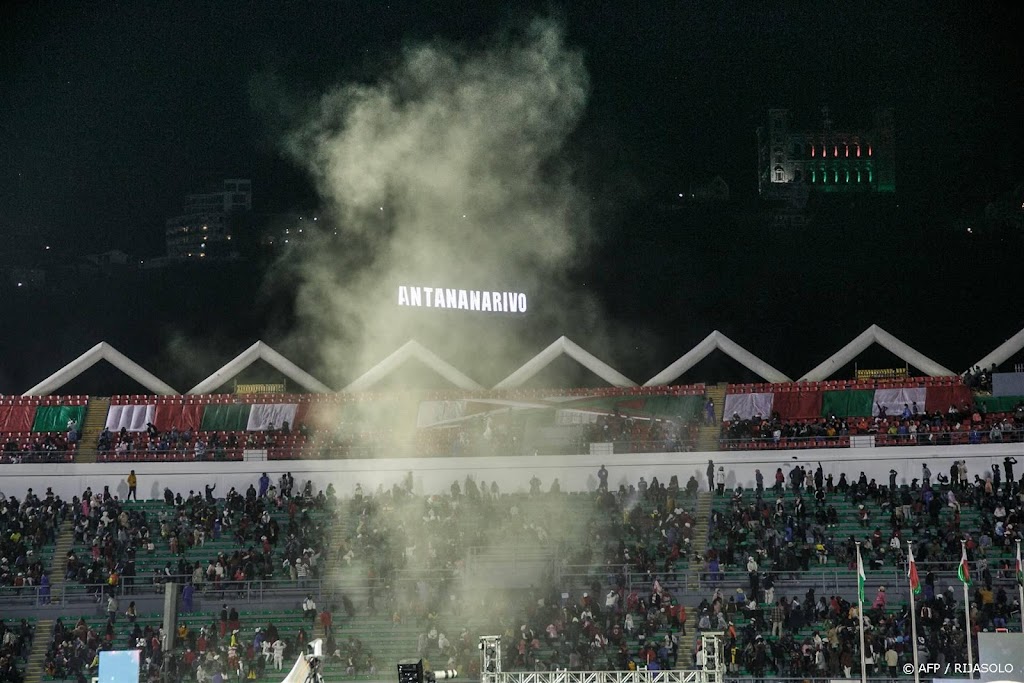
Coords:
pixel 448 171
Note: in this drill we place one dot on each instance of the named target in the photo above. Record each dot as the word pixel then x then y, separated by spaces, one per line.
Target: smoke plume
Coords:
pixel 450 170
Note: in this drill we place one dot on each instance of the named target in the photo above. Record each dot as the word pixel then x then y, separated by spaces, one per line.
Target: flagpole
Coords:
pixel 860 618
pixel 1020 585
pixel 967 617
pixel 913 615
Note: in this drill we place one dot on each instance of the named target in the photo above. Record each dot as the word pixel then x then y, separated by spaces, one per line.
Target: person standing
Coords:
pixel 709 412
pixel 133 482
pixel 309 609
pixel 278 654
pixel 187 597
pixel 326 621
pixel 711 475
pixel 112 608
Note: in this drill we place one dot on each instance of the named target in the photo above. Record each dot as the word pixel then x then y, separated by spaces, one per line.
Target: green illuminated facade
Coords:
pixel 826 159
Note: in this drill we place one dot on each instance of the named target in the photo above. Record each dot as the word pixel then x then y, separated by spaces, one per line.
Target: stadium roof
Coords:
pixel 716 340
pixel 102 351
pixel 561 346
pixel 412 349
pixel 875 335
pixel 259 351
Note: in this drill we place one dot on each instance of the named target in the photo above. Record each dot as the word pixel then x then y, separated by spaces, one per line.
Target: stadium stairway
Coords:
pixel 65 540
pixel 708 436
pixel 700 544
pixel 37 655
pixel 92 427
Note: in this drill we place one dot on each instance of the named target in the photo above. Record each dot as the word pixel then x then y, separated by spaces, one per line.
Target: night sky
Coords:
pixel 111 112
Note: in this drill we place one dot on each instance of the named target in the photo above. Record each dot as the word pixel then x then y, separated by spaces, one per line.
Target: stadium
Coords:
pixel 511 343
pixel 660 532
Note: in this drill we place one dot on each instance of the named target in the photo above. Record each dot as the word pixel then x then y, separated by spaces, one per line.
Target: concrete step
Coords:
pixel 37 655
pixel 92 426
pixel 65 541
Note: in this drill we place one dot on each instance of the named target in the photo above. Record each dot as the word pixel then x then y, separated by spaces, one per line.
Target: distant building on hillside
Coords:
pixel 203 230
pixel 825 159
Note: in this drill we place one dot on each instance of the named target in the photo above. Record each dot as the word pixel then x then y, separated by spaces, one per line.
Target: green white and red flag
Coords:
pixel 964 570
pixel 915 582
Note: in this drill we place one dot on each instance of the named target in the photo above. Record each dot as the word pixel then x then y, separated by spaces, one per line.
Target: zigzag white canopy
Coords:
pixel 102 351
pixel 565 346
pixel 259 351
pixel 1003 351
pixel 716 340
pixel 875 335
pixel 561 346
pixel 412 349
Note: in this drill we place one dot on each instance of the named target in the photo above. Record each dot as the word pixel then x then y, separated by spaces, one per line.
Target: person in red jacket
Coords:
pixel 326 621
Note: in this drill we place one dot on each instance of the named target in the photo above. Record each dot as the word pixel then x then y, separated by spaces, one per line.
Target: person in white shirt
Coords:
pixel 309 608
pixel 278 654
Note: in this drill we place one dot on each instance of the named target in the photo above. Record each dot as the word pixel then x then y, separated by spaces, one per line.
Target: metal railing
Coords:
pixel 312 451
pixel 72 593
pixel 943 438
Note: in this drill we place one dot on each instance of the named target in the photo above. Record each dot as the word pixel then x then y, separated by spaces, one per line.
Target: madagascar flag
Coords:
pixel 915 583
pixel 964 570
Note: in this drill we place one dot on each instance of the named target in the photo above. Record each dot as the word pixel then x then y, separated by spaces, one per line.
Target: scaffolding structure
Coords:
pixel 712 669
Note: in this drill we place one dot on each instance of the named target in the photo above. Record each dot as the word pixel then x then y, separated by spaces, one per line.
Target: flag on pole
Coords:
pixel 861 578
pixel 964 570
pixel 915 583
pixel 1020 571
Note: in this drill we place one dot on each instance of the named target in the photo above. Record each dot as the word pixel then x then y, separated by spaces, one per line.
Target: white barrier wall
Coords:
pixel 435 475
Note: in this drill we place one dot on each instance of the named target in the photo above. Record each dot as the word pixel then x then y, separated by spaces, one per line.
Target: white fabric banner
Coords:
pixel 576 417
pixel 431 413
pixel 263 415
pixel 747 406
pixel 131 417
pixel 893 400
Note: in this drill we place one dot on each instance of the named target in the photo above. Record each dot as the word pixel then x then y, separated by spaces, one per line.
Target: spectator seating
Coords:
pixel 191 535
pixel 642 528
pixel 896 412
pixel 35 428
pixel 15 640
pixel 339 425
pixel 976 515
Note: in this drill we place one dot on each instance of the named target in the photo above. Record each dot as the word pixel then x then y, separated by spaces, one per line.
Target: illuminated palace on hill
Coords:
pixel 825 159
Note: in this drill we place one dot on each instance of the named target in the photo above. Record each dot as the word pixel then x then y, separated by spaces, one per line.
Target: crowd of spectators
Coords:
pixel 768 534
pixel 186 444
pixel 15 642
pixel 911 427
pixel 28 525
pixel 227 648
pixel 117 532
pixel 35 448
pixel 979 378
pixel 662 435
pixel 412 550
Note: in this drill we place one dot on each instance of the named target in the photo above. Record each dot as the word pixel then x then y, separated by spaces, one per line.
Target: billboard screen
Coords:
pixel 119 666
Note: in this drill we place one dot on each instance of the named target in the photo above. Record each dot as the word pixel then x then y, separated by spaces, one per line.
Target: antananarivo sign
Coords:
pixel 462 299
